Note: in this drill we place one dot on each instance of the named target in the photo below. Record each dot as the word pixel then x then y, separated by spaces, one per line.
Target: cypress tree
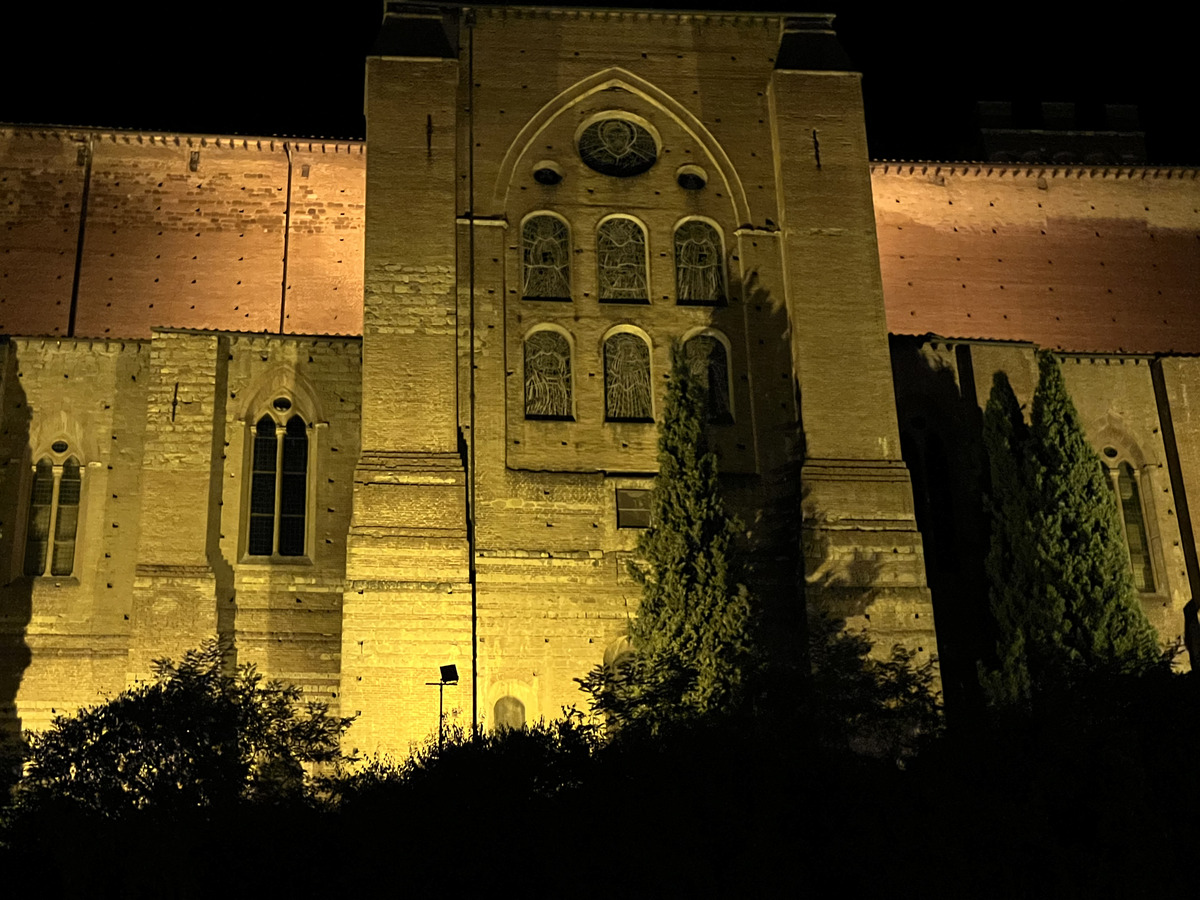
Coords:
pixel 1009 563
pixel 1062 592
pixel 691 637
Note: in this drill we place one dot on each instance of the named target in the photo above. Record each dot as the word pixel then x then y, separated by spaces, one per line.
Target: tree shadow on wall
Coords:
pixel 852 700
pixel 16 594
pixel 941 441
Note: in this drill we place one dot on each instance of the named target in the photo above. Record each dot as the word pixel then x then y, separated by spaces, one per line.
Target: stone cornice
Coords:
pixel 166 138
pixel 1030 170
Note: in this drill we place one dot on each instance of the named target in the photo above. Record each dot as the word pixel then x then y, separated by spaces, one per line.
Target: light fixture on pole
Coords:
pixel 448 675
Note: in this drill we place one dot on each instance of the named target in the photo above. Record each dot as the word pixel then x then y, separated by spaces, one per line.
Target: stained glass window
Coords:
pixel 709 365
pixel 547 376
pixel 547 274
pixel 262 489
pixel 699 266
pixel 293 488
pixel 53 516
pixel 627 379
pixel 621 257
pixel 278 488
pixel 1135 528
pixel 41 507
pixel 617 147
pixel 66 520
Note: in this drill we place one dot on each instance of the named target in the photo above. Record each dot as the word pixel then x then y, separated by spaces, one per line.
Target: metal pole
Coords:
pixel 441 715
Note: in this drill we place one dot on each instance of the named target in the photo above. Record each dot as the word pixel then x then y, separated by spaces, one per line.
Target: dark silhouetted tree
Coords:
pixel 691 637
pixel 1061 590
pixel 198 735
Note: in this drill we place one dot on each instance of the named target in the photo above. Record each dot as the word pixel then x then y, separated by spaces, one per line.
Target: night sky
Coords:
pixel 252 67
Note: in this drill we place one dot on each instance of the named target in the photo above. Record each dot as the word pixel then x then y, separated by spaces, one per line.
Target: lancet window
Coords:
pixel 627 395
pixel 278 487
pixel 1136 539
pixel 621 260
pixel 53 515
pixel 709 364
pixel 547 253
pixel 699 263
pixel 1124 480
pixel 547 376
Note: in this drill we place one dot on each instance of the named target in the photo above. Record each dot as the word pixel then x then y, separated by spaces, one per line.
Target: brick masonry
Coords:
pixel 442 525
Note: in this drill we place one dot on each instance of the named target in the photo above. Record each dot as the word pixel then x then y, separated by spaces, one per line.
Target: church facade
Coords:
pixel 372 408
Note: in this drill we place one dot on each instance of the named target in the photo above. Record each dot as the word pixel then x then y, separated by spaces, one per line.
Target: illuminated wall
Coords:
pixel 446 512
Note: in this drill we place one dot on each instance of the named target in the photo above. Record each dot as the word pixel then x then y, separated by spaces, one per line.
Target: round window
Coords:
pixel 283 404
pixel 59 446
pixel 618 147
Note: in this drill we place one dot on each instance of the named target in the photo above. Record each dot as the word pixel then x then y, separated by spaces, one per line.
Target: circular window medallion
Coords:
pixel 618 147
pixel 59 446
pixel 283 404
pixel 1110 452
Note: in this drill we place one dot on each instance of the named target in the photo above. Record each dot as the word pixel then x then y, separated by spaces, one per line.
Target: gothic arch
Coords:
pixel 616 77
pixel 281 381
pixel 1111 432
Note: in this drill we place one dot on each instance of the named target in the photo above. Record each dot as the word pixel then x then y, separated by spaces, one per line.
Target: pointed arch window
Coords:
pixel 547 376
pixel 278 488
pixel 53 522
pixel 1135 528
pixel 708 361
pixel 1123 478
pixel 621 261
pixel 547 258
pixel 699 264
pixel 627 396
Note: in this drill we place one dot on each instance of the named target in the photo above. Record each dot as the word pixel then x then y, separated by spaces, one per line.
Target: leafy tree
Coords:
pixel 1061 590
pixel 884 708
pixel 197 736
pixel 692 650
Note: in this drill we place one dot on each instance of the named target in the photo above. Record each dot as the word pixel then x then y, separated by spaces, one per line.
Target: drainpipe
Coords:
pixel 86 152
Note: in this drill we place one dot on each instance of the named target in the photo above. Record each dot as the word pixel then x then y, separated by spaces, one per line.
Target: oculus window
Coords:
pixel 617 147
pixel 621 261
pixel 699 264
pixel 708 363
pixel 547 376
pixel 547 259
pixel 278 488
pixel 627 379
pixel 53 516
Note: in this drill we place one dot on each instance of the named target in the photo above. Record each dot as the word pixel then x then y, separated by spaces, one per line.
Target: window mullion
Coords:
pixel 279 436
pixel 49 562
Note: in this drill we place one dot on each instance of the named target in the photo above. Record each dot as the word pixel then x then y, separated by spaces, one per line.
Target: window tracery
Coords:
pixel 621 258
pixel 699 263
pixel 278 488
pixel 627 379
pixel 53 521
pixel 547 376
pixel 708 362
pixel 547 254
pixel 617 147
